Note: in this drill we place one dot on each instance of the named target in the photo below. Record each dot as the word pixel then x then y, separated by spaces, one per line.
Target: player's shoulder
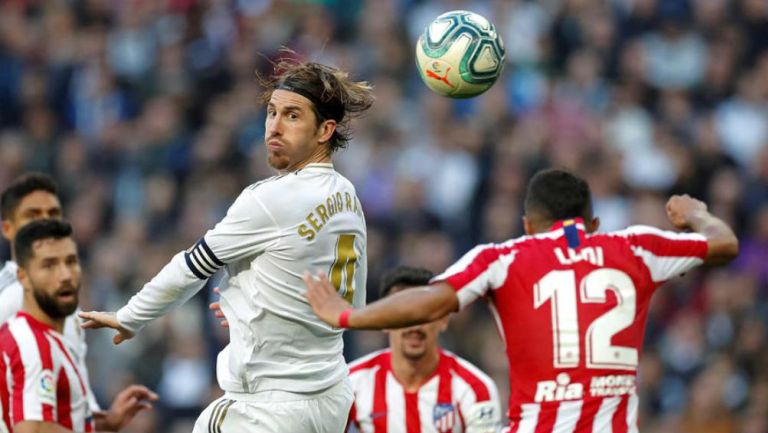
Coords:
pixel 473 377
pixel 645 232
pixel 634 230
pixel 369 361
pixel 17 331
pixel 461 367
pixel 264 184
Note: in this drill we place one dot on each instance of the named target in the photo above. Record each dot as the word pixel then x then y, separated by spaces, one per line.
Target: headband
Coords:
pixel 326 110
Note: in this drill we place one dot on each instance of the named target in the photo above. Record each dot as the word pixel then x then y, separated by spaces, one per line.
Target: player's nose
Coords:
pixel 274 126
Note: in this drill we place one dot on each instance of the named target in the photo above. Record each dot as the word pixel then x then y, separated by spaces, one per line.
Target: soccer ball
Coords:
pixel 460 55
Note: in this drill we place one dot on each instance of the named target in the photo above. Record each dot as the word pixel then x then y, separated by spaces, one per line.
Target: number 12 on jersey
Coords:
pixel 344 266
pixel 559 287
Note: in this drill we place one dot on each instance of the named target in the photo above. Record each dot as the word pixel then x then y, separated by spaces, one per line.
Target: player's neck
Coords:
pixel 412 373
pixel 33 309
pixel 319 156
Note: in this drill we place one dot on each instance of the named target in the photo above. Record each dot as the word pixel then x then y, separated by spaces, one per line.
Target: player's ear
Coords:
pixel 7 230
pixel 593 225
pixel 21 275
pixel 527 226
pixel 326 130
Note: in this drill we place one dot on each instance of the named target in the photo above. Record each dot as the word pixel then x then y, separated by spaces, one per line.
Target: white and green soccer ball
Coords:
pixel 460 54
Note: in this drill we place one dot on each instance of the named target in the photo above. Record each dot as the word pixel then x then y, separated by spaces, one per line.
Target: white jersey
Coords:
pixel 11 298
pixel 276 230
pixel 458 398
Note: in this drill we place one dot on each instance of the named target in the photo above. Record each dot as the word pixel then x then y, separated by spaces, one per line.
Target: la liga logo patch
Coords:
pixel 47 388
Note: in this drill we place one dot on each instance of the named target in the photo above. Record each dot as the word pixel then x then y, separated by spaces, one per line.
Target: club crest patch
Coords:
pixel 444 415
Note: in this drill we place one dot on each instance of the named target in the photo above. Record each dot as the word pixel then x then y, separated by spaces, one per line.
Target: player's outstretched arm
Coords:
pixel 687 213
pixel 406 308
pixel 101 319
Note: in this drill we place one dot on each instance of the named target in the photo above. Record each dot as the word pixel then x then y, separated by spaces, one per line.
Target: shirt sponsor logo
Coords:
pixel 600 386
pixel 614 385
pixel 559 389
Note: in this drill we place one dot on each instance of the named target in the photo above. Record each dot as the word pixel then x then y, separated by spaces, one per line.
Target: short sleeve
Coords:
pixel 32 388
pixel 479 403
pixel 483 268
pixel 666 254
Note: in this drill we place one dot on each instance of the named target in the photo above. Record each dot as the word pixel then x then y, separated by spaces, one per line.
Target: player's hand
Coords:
pixel 100 319
pixel 125 406
pixel 324 299
pixel 216 308
pixel 682 208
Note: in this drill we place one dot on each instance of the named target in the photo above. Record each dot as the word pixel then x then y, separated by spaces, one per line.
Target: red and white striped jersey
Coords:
pixel 457 398
pixel 40 380
pixel 11 299
pixel 572 308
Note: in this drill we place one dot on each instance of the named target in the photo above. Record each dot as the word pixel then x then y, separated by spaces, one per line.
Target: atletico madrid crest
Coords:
pixel 444 416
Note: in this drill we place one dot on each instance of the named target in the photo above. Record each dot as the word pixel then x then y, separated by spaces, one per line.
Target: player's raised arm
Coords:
pixel 687 213
pixel 406 308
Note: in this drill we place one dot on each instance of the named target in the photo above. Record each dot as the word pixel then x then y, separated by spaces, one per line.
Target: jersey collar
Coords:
pixel 34 322
pixel 573 230
pixel 319 165
pixel 578 222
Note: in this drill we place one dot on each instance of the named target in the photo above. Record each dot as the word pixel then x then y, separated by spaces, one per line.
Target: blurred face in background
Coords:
pixel 416 341
pixel 36 205
pixel 53 276
pixel 292 134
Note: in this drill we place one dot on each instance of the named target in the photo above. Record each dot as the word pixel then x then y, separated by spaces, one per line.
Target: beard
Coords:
pixel 51 305
pixel 277 160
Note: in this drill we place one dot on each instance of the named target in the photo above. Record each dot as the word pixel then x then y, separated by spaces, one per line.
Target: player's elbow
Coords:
pixel 723 249
pixel 444 302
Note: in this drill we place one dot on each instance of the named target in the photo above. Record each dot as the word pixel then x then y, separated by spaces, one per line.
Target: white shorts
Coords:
pixel 278 412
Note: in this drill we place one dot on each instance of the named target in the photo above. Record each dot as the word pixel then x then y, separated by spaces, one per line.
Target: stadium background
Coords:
pixel 145 112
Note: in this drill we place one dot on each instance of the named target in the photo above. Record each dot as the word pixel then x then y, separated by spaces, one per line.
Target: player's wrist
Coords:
pixel 344 317
pixel 696 218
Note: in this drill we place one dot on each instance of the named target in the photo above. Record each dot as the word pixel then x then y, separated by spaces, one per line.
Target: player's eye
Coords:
pixel 293 116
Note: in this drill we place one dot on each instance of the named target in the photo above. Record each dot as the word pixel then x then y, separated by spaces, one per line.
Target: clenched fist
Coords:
pixel 682 208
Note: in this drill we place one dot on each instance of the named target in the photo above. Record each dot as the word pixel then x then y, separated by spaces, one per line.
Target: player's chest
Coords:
pixel 395 411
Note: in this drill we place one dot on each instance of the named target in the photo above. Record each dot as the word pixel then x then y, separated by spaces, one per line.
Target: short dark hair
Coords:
pixel 21 187
pixel 332 93
pixel 557 194
pixel 405 276
pixel 35 231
